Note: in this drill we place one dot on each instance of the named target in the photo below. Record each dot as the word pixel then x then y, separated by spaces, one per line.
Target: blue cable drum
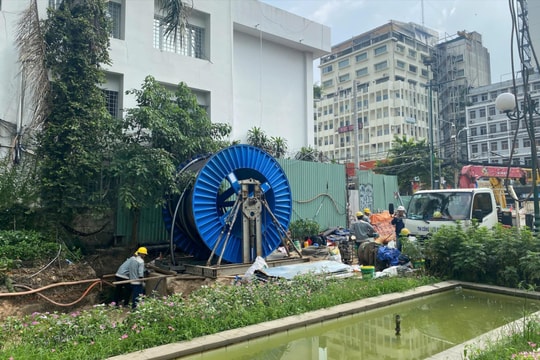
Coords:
pixel 205 208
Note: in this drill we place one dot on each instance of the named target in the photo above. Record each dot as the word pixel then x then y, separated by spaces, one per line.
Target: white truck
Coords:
pixel 428 210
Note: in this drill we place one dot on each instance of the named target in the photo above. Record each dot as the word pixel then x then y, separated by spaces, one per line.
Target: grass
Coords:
pixel 106 331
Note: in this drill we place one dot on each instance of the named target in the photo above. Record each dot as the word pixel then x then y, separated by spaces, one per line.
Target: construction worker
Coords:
pixel 362 229
pixel 131 269
pixel 399 224
pixel 367 215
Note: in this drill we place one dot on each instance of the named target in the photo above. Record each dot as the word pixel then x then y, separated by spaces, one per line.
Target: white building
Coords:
pixel 250 64
pixel 377 82
pixel 491 134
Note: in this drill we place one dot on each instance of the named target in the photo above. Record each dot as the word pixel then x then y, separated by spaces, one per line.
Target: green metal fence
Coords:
pixel 319 193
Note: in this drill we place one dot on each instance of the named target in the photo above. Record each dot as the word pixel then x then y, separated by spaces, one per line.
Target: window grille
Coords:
pixel 188 43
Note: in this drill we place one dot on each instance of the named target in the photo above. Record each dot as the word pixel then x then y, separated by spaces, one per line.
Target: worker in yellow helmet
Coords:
pixel 131 269
pixel 367 215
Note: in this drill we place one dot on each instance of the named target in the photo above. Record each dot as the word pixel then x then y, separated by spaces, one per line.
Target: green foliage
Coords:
pixel 164 130
pixel 26 245
pixel 18 194
pixel 302 228
pixel 275 145
pixel 501 256
pixel 104 331
pixel 412 248
pixel 75 142
pixel 408 159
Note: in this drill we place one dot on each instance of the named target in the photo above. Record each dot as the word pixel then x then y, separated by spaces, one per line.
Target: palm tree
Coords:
pixel 257 137
pixel 279 146
pixel 176 17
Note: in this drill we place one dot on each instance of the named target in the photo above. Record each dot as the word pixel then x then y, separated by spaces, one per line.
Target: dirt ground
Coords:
pixel 66 287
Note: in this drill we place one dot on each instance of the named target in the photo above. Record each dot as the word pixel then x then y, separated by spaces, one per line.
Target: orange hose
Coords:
pixel 57 303
pixel 47 287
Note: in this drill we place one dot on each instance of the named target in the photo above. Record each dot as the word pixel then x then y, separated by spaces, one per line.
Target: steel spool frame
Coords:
pixel 236 190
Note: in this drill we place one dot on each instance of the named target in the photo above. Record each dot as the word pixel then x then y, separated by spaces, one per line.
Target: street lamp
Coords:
pixel 428 61
pixel 507 103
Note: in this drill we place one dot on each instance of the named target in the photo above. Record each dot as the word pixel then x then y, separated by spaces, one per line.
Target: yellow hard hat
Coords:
pixel 367 211
pixel 437 215
pixel 142 250
pixel 404 232
pixel 359 213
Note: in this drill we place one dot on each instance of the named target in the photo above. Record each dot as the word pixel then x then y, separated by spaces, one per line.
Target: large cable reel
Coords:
pixel 236 190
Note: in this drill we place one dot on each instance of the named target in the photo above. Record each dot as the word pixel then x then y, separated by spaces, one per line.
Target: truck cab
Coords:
pixel 428 210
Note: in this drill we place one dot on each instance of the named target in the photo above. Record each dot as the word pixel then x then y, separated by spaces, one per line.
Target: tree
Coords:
pixel 279 146
pixel 407 159
pixel 257 137
pixel 74 146
pixel 164 130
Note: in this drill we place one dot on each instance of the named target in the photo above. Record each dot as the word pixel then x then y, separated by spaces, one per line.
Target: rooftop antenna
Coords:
pixel 422 3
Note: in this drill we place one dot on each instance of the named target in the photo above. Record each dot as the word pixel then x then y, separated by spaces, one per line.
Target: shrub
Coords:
pixel 303 228
pixel 501 256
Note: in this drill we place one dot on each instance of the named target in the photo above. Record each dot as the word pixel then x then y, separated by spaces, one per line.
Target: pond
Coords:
pixel 428 325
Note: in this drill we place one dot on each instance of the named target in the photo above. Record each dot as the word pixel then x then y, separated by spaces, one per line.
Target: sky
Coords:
pixel 348 18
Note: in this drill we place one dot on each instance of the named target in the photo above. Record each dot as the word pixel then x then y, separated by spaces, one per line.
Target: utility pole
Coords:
pixel 355 124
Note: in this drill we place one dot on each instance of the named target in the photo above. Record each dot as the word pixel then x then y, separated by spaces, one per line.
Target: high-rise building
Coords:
pixel 461 63
pixel 235 56
pixel 375 86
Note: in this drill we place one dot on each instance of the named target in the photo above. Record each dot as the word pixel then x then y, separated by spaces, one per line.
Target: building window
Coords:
pixel 361 57
pixel 482 113
pixel 327 69
pixel 344 78
pixel 492 111
pixel 362 72
pixel 504 145
pixel 474 148
pixel 412 53
pixel 492 128
pixel 526 143
pixel 327 83
pixel 483 130
pixel 494 146
pixel 400 64
pixel 343 63
pixel 189 43
pixel 379 50
pixel 413 69
pixel 484 147
pixel 472 114
pixel 381 66
pixel 474 99
pixel 111 102
pixel 504 127
pixel 473 131
pixel 114 10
